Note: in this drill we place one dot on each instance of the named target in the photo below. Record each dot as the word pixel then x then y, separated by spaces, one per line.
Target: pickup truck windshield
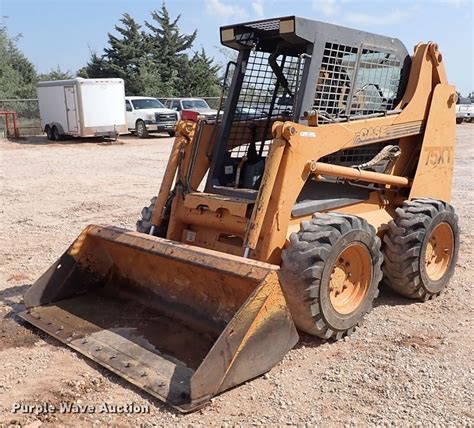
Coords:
pixel 146 103
pixel 187 104
pixel 462 100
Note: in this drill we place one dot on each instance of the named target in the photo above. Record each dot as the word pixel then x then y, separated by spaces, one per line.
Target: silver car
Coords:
pixel 193 104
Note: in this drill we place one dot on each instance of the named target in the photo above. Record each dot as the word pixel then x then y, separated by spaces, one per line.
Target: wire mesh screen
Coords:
pixel 263 99
pixel 356 82
pixel 376 84
pixel 335 77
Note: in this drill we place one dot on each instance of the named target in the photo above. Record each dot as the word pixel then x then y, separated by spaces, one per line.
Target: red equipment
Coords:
pixel 189 115
pixel 7 115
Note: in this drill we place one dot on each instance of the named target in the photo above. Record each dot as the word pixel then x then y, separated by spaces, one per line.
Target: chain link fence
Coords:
pixel 28 117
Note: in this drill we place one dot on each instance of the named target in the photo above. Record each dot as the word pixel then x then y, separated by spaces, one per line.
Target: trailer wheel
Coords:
pixel 141 130
pixel 56 136
pixel 144 224
pixel 330 274
pixel 421 248
pixel 49 133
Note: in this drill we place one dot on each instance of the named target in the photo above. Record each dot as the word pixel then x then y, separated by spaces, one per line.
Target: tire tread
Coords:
pixel 303 263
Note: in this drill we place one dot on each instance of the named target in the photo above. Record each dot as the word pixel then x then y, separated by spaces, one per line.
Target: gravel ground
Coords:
pixel 410 364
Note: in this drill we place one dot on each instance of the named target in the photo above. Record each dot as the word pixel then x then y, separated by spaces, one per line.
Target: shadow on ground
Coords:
pixel 40 140
pixel 388 297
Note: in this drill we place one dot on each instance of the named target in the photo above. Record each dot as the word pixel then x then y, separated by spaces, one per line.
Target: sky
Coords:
pixel 63 32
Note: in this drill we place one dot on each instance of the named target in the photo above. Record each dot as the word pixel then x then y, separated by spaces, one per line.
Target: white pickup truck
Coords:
pixel 147 114
pixel 464 110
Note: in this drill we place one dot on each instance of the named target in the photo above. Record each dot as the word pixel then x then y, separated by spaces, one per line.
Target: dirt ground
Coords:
pixel 409 364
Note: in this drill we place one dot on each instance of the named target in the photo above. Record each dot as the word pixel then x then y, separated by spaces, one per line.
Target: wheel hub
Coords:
pixel 439 251
pixel 338 279
pixel 350 278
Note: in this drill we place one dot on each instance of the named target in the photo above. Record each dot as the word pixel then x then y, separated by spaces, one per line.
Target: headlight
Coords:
pixel 149 117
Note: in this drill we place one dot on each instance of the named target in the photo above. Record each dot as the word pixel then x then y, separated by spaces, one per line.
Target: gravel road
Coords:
pixel 409 364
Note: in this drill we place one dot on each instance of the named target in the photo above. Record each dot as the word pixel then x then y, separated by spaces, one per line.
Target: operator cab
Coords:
pixel 290 65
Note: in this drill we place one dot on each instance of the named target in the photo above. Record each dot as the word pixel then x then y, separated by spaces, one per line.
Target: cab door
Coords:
pixel 176 106
pixel 129 114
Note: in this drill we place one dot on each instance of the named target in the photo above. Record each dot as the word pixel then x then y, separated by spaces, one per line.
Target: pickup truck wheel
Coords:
pixel 141 130
pixel 172 133
pixel 459 120
pixel 468 119
pixel 330 274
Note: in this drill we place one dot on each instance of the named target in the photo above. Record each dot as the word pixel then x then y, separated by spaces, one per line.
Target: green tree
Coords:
pixel 56 74
pixel 17 74
pixel 203 79
pixel 166 47
pixel 155 61
pixel 125 53
pixel 97 67
pixel 153 84
pixel 122 58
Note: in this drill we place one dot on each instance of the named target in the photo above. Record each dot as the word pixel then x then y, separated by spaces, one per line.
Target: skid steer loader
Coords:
pixel 329 169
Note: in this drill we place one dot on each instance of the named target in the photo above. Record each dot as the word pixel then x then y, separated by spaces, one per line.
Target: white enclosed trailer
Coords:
pixel 82 108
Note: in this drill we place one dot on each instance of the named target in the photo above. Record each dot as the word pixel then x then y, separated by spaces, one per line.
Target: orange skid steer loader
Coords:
pixel 329 170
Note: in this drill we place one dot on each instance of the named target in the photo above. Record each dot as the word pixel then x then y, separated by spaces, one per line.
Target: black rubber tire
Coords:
pixel 141 130
pixel 49 134
pixel 459 120
pixel 172 133
pixel 468 119
pixel 307 264
pixel 144 224
pixel 405 245
pixel 56 136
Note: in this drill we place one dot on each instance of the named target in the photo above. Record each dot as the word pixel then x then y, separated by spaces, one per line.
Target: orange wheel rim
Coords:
pixel 350 278
pixel 439 251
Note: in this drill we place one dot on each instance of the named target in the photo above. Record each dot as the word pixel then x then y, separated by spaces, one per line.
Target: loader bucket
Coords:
pixel 181 322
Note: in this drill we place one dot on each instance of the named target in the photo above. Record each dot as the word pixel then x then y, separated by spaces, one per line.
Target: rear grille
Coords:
pixel 165 117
